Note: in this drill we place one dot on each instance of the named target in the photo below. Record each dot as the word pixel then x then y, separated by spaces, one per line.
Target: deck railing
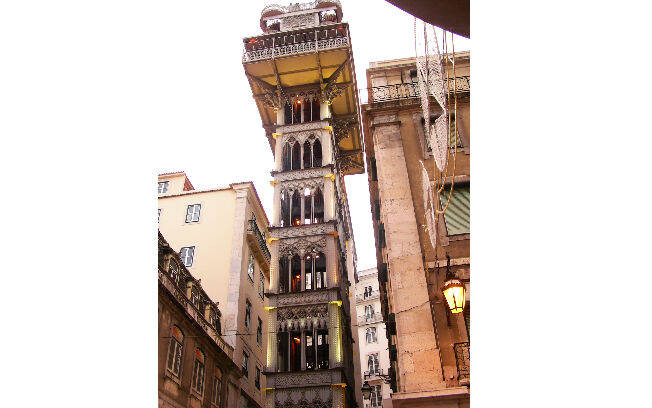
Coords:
pixel 463 360
pixel 410 90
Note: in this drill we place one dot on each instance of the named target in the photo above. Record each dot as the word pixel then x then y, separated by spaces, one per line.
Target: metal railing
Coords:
pixel 462 360
pixel 370 319
pixel 253 228
pixel 410 90
pixel 323 39
pixel 368 296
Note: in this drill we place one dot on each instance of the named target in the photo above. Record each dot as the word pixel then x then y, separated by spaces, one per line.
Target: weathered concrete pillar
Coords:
pixel 418 356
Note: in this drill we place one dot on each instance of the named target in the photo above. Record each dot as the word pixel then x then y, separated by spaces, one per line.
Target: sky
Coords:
pixel 216 136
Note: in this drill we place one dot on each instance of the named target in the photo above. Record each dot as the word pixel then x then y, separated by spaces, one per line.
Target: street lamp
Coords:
pixel 454 290
pixel 366 390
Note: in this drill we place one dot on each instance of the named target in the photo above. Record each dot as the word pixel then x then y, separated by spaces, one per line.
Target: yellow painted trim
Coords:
pixel 273 182
pixel 268 308
pixel 337 302
pixel 330 128
pixel 334 233
pixel 276 134
pixel 340 384
pixel 267 389
pixel 330 176
pixel 270 240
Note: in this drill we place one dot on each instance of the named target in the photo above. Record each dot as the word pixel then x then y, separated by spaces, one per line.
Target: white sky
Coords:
pixel 217 136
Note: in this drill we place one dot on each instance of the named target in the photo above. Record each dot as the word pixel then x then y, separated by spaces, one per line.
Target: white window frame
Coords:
pixel 251 267
pixel 247 319
pixel 185 258
pixel 192 213
pixel 163 187
pixel 375 366
pixel 198 374
pixel 176 349
pixel 376 398
pixel 372 333
pixel 245 363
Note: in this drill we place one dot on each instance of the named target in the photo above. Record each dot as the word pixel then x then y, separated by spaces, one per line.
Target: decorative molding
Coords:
pixel 323 171
pixel 299 246
pixel 310 397
pixel 300 379
pixel 302 127
pixel 294 185
pixel 302 230
pixel 308 297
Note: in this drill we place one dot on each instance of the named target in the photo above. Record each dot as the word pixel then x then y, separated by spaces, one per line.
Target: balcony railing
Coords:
pixel 291 43
pixel 410 90
pixel 368 296
pixel 463 360
pixel 260 238
pixel 375 318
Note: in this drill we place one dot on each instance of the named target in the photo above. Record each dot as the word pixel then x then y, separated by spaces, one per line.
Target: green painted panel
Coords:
pixel 457 214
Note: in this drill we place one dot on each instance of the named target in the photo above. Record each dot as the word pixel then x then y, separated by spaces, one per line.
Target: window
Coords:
pixel 245 364
pixel 257 379
pixel 373 365
pixel 367 291
pixel 371 335
pixel 320 271
pixel 259 332
pixel 313 207
pixel 175 351
pixel 192 214
pixel 283 272
pixel 295 351
pixel 457 215
pixel 159 215
pixel 322 349
pixel 251 269
pixel 163 187
pixel 187 255
pixel 301 111
pixel 312 153
pixel 369 312
pixel 248 315
pixel 310 351
pixel 217 387
pixel 376 396
pixel 215 321
pixel 261 286
pixel 295 269
pixel 198 373
pixel 195 297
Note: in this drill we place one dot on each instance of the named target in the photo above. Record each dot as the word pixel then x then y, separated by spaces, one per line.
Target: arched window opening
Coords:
pixel 217 387
pixel 283 270
pixel 307 207
pixel 283 351
pixel 316 154
pixel 296 273
pixel 175 351
pixel 287 156
pixel 320 271
pixel 288 114
pixel 318 212
pixel 296 208
pixel 308 269
pixel 296 156
pixel 315 110
pixel 285 209
pixel 198 372
pixel 307 156
pixel 296 112
pixel 295 351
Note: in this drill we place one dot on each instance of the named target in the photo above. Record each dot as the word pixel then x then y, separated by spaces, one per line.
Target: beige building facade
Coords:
pixel 429 345
pixel 221 237
pixel 372 344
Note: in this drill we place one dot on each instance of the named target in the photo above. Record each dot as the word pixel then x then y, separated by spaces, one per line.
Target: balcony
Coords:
pixel 295 43
pixel 463 361
pixel 367 296
pixel 397 92
pixel 375 318
pixel 375 375
pixel 258 244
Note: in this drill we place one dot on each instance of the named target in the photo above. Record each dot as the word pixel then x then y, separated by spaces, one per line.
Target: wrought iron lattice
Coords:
pixel 462 360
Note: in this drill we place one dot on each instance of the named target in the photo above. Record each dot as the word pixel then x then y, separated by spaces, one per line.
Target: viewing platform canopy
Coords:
pixel 304 55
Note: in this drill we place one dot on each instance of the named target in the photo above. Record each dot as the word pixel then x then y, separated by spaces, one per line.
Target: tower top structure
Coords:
pixel 304 57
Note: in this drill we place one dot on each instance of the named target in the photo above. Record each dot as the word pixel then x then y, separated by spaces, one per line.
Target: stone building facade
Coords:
pixel 221 236
pixel 372 345
pixel 195 364
pixel 429 346
pixel 303 82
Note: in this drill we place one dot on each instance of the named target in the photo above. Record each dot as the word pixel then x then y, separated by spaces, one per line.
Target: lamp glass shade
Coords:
pixel 455 294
